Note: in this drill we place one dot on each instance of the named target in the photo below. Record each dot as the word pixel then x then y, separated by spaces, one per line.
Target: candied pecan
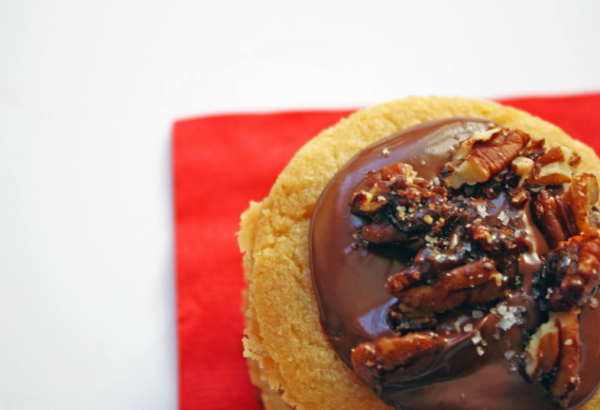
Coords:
pixel 473 283
pixel 402 319
pixel 582 194
pixel 555 216
pixel 493 241
pixel 542 350
pixel 487 158
pixel 534 149
pixel 556 345
pixel 383 232
pixel 401 206
pixel 399 169
pixel 575 160
pixel 428 261
pixel 465 147
pixel 522 166
pixel 574 270
pixel 552 168
pixel 567 378
pixel 514 180
pixel 422 211
pixel 372 360
pixel 371 195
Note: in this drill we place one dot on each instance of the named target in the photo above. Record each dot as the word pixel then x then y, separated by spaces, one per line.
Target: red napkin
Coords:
pixel 222 162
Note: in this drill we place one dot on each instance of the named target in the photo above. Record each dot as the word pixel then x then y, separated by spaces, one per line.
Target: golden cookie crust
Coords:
pixel 284 341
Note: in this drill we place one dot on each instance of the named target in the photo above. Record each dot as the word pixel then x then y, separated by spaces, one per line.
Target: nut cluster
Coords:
pixel 466 259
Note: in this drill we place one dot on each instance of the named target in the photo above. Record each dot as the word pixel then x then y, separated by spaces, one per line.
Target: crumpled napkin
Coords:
pixel 222 162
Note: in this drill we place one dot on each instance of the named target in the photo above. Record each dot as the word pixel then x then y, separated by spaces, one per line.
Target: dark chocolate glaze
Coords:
pixel 350 285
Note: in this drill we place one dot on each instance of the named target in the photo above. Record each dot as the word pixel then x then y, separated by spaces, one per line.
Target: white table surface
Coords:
pixel 88 93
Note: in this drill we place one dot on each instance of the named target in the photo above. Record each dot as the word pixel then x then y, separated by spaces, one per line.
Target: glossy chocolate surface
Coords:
pixel 349 281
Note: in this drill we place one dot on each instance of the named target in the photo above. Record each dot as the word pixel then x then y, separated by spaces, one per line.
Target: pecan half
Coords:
pixel 567 378
pixel 474 283
pixel 574 268
pixel 487 158
pixel 582 194
pixel 555 216
pixel 408 353
pixel 556 345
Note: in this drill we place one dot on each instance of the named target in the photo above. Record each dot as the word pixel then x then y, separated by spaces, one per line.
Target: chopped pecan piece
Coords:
pixel 522 166
pixel 574 268
pixel 487 158
pixel 402 319
pixel 534 149
pixel 493 241
pixel 401 206
pixel 552 168
pixel 399 169
pixel 408 353
pixel 556 344
pixel 575 160
pixel 371 195
pixel 473 283
pixel 422 210
pixel 464 149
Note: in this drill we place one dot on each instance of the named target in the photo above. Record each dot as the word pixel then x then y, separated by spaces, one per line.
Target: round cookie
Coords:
pixel 284 340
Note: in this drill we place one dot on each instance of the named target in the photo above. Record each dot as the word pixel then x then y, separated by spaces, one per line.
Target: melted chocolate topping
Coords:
pixel 350 280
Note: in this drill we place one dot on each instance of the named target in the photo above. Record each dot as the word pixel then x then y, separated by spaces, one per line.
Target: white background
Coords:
pixel 88 93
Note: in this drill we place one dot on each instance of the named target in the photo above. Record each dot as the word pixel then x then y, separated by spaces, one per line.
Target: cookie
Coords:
pixel 294 359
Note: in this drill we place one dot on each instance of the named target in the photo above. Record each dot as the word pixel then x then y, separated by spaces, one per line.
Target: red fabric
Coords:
pixel 222 162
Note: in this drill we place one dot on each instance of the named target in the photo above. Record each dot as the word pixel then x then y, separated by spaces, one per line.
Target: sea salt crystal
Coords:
pixel 507 321
pixel 509 354
pixel 503 217
pixel 477 314
pixel 468 327
pixel 481 209
pixel 502 309
pixel 480 351
pixel 386 152
pixel 477 338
